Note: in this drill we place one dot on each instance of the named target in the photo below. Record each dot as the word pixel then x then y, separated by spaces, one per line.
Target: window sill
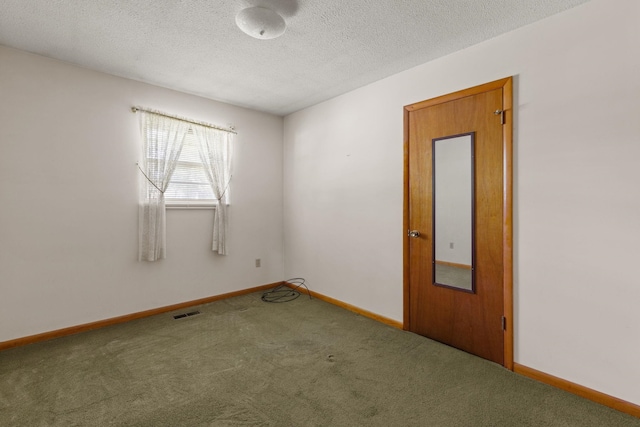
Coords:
pixel 190 206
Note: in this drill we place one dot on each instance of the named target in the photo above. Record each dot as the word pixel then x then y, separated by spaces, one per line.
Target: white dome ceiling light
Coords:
pixel 261 23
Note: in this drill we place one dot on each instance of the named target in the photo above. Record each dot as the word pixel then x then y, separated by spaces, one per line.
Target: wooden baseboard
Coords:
pixel 126 318
pixel 587 393
pixel 349 307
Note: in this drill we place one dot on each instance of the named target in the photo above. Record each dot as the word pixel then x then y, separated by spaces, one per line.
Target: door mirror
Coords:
pixel 453 212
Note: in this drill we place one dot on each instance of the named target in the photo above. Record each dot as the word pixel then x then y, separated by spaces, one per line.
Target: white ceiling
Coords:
pixel 330 46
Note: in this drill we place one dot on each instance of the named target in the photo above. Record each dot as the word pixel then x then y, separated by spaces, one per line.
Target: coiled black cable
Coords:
pixel 285 292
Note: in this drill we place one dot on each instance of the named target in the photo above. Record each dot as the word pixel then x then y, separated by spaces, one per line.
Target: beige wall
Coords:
pixel 577 198
pixel 68 200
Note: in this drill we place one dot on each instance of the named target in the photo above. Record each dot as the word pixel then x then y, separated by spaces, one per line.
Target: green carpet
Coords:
pixel 244 362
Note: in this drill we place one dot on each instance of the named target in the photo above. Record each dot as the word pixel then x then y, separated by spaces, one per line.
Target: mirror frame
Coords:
pixel 472 136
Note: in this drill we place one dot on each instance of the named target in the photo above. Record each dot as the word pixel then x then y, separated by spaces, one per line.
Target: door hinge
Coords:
pixel 504 323
pixel 501 114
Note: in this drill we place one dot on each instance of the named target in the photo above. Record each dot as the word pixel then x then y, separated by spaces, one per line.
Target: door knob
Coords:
pixel 413 233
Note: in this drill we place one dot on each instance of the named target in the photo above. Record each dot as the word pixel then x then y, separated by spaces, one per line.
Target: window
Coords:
pixel 189 185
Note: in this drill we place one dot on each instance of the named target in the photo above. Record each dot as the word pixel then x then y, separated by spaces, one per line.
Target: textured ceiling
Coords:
pixel 194 46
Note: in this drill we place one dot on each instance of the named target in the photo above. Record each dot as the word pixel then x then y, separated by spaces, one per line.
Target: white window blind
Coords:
pixel 189 184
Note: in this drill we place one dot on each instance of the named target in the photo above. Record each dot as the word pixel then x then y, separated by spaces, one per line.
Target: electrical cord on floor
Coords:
pixel 284 292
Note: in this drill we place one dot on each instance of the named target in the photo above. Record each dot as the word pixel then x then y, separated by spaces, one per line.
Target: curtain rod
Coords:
pixel 183 119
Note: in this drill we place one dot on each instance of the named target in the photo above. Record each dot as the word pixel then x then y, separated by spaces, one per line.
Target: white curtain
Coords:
pixel 215 151
pixel 162 140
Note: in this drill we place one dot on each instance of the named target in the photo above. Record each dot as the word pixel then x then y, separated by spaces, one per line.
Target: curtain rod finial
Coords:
pixel 134 109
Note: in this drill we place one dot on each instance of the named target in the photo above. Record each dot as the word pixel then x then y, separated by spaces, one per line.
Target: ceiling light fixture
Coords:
pixel 260 22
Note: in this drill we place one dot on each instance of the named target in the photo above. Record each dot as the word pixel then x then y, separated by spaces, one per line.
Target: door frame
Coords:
pixel 506 84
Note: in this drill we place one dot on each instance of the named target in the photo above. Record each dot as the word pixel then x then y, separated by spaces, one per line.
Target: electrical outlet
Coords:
pixel 451 245
pixel 258 262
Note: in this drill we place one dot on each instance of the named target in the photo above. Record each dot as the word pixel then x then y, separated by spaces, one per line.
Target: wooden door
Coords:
pixel 477 321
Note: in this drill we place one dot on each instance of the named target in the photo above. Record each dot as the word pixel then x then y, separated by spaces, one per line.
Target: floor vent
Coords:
pixel 191 313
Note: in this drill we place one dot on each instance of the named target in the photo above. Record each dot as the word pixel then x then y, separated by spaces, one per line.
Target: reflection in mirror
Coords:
pixel 453 213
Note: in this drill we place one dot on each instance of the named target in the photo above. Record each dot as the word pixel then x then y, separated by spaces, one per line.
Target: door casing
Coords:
pixel 507 202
